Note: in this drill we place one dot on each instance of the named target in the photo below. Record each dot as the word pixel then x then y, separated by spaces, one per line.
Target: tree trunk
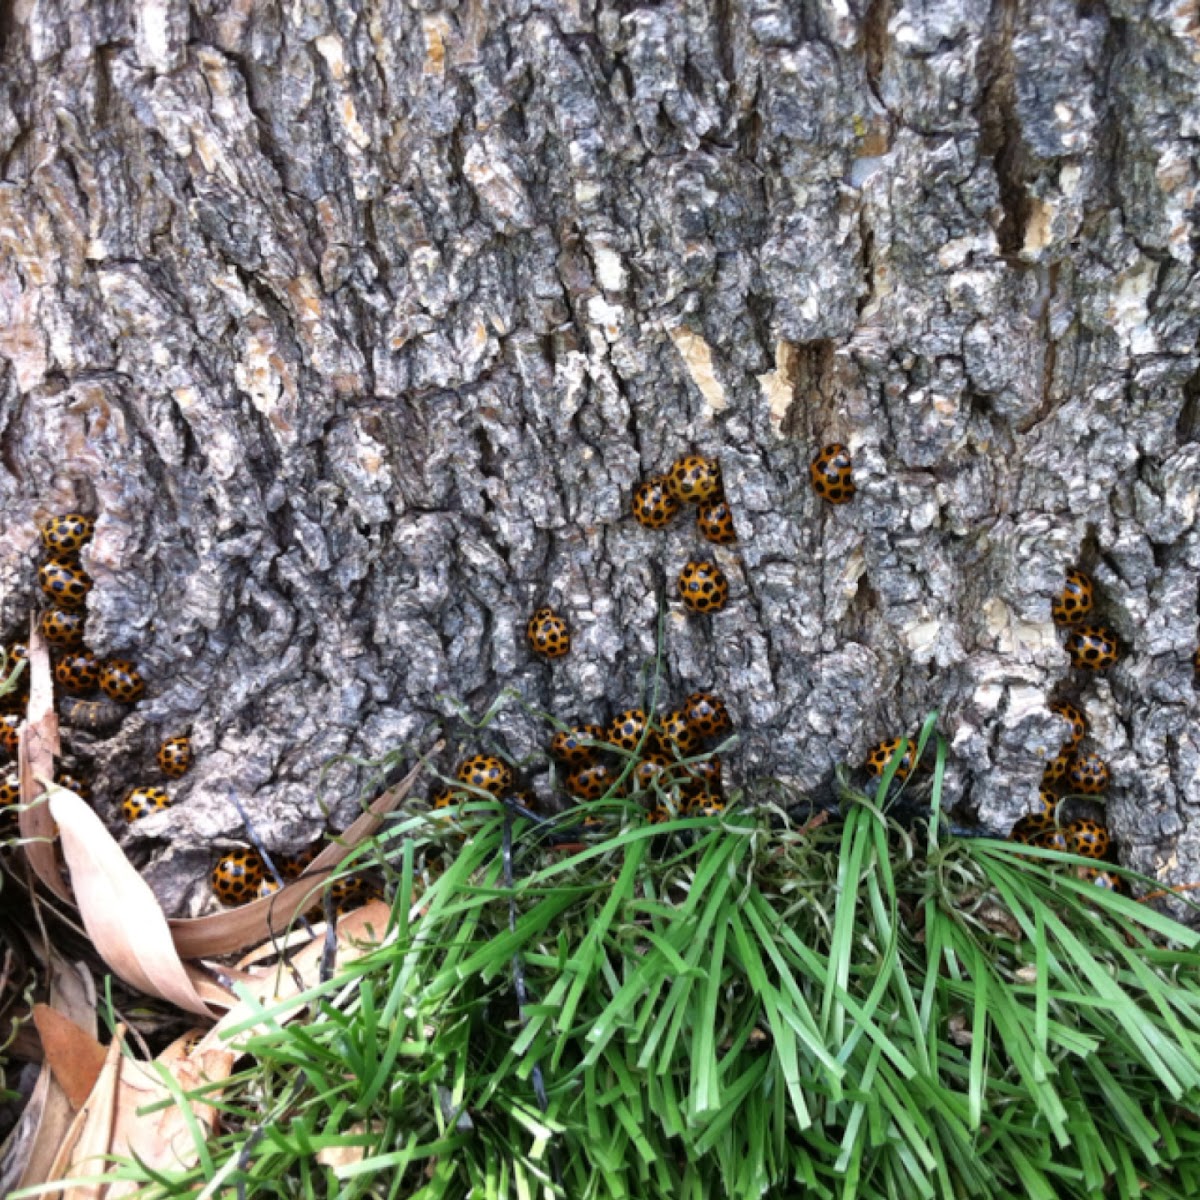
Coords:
pixel 357 324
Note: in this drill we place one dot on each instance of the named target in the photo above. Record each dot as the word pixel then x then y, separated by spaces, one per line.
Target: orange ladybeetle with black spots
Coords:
pixel 832 474
pixel 548 634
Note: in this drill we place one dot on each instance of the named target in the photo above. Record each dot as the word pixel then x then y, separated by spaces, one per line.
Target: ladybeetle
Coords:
pixel 1110 881
pixel 61 627
pixel 268 887
pixel 548 634
pixel 142 801
pixel 175 756
pixel 694 479
pixel 626 729
pixel 653 504
pixel 292 866
pixel 73 784
pixel 590 782
pixel 569 745
pixel 705 803
pixel 882 754
pixel 707 715
pixel 237 876
pixel 715 522
pixel 832 474
pixel 1047 804
pixel 10 725
pixel 1057 768
pixel 447 797
pixel 703 587
pixel 1031 827
pixel 1088 774
pixel 487 773
pixel 68 534
pixel 1092 647
pixel 120 681
pixel 1075 719
pixel 649 769
pixel 1051 839
pixel 77 671
pixel 10 787
pixel 1088 839
pixel 65 583
pixel 705 776
pixel 675 732
pixel 1074 602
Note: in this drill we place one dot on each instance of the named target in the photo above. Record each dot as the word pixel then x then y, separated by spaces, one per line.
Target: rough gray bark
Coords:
pixel 356 325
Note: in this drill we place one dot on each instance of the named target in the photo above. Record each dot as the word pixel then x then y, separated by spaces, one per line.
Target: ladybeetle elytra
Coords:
pixel 694 479
pixel 626 729
pixel 175 756
pixel 73 784
pixel 77 671
pixel 703 587
pixel 65 583
pixel 832 474
pixel 1074 602
pixel 649 769
pixel 487 773
pixel 1057 768
pixel 1047 804
pixel 268 887
pixel 882 754
pixel 1087 774
pixel 715 522
pixel 61 627
pixel 590 782
pixel 707 715
pixel 10 726
pixel 1031 827
pixel 67 534
pixel 292 866
pixel 142 801
pixel 448 796
pixel 653 504
pixel 1051 839
pixel 120 681
pixel 548 634
pixel 675 732
pixel 568 745
pixel 10 787
pixel 1092 647
pixel 1075 719
pixel 1110 881
pixel 1088 839
pixel 237 876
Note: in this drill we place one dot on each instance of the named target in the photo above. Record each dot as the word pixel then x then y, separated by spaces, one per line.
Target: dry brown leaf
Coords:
pixel 343 1156
pixel 35 756
pixel 90 1135
pixel 72 1053
pixel 163 1139
pixel 120 912
pixel 49 1113
pixel 229 932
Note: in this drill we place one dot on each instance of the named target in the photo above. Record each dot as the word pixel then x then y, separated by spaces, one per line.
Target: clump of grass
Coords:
pixel 736 1005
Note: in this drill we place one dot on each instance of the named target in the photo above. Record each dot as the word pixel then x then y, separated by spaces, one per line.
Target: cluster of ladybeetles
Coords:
pixel 661 759
pixel 88 686
pixel 243 875
pixel 1074 771
pixel 657 501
